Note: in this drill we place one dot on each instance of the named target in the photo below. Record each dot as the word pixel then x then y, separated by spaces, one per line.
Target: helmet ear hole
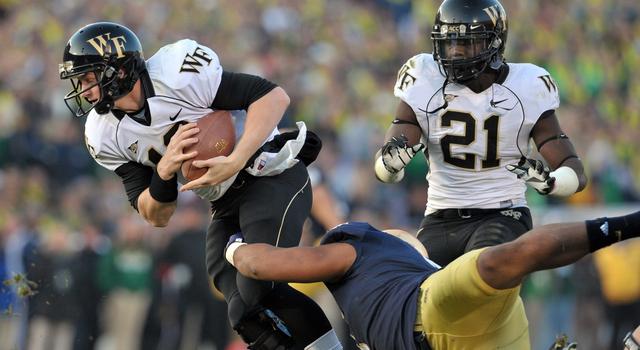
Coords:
pixel 108 73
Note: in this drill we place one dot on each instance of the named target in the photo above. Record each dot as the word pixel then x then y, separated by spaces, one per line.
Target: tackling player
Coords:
pixel 140 117
pixel 476 115
pixel 393 297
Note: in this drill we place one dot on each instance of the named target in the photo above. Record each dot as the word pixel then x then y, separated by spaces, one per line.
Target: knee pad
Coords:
pixel 263 330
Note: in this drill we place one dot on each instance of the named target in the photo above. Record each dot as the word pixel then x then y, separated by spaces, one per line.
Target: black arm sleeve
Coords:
pixel 135 178
pixel 239 90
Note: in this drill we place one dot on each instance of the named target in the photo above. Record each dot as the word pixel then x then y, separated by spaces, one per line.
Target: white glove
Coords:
pixel 534 173
pixel 396 153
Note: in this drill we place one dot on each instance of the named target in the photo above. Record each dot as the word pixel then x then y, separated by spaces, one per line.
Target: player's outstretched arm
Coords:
pixel 298 264
pixel 550 246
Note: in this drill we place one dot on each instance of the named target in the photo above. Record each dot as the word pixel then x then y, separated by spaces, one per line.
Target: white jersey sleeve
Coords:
pixel 535 86
pixel 418 79
pixel 188 71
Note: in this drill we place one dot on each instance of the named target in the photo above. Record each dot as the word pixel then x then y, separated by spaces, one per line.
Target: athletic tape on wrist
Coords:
pixel 231 250
pixel 384 175
pixel 566 182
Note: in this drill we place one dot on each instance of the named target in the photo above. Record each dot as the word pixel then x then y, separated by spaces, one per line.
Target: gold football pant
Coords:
pixel 458 310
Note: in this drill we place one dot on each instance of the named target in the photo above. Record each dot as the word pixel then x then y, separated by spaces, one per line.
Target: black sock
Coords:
pixel 604 232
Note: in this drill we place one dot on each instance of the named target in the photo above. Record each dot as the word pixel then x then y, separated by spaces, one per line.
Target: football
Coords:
pixel 217 137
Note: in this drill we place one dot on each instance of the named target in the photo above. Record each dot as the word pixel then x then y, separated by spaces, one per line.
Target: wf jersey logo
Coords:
pixel 512 213
pixel 104 43
pixel 548 82
pixel 405 79
pixel 192 62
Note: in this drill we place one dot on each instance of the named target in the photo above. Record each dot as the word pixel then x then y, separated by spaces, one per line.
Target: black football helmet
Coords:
pixel 469 36
pixel 113 53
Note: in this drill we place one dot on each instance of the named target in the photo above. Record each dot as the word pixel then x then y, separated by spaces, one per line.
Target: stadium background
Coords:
pixel 62 218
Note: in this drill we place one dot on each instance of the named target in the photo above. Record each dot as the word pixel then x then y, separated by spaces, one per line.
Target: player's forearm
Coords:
pixel 154 212
pixel 261 262
pixel 296 264
pixel 405 123
pixel 411 132
pixel 262 117
pixel 504 266
pixel 556 245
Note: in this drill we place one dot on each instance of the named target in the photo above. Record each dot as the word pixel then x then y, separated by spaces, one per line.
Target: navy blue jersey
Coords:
pixel 378 295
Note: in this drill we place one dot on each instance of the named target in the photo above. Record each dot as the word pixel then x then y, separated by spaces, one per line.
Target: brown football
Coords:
pixel 217 137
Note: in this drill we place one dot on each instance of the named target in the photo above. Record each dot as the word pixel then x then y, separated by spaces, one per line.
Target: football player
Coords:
pixel 394 297
pixel 140 117
pixel 474 115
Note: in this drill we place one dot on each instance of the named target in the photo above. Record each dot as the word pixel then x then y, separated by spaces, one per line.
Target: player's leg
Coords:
pixel 273 212
pixel 459 310
pixel 551 246
pixel 223 274
pixel 445 237
pixel 254 324
pixel 500 227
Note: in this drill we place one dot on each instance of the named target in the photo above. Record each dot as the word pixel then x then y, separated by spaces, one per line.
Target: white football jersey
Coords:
pixel 471 140
pixel 185 77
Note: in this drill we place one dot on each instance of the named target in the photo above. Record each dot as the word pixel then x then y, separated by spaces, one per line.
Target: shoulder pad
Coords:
pixel 99 137
pixel 534 84
pixel 346 231
pixel 175 65
pixel 421 66
pixel 186 70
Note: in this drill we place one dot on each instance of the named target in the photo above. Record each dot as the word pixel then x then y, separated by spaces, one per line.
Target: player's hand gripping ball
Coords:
pixel 217 137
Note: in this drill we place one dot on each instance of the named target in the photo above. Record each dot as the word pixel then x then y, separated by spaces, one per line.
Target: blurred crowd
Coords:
pixel 67 225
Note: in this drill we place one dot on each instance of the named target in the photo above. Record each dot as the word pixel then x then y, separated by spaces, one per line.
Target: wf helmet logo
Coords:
pixel 104 43
pixel 495 13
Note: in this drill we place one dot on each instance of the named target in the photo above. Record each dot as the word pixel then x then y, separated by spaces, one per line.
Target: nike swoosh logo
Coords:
pixel 175 116
pixel 495 103
pixel 472 27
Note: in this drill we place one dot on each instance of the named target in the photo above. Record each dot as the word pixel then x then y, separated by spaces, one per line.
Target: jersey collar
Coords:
pixel 503 72
pixel 148 92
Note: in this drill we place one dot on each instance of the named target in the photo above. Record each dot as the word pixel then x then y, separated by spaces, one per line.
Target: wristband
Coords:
pixel 566 182
pixel 385 175
pixel 231 249
pixel 164 191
